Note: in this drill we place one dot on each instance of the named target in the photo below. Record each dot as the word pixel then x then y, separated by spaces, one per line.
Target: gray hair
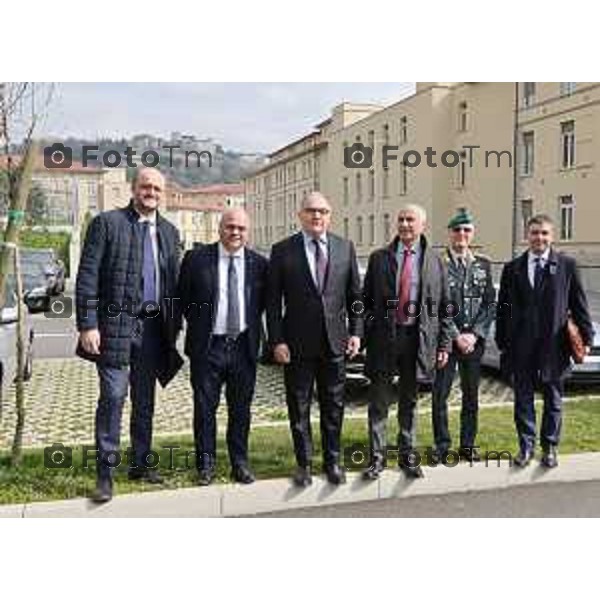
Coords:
pixel 314 194
pixel 414 208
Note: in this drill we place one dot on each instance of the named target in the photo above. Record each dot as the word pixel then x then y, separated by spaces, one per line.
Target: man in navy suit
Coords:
pixel 539 290
pixel 127 273
pixel 222 294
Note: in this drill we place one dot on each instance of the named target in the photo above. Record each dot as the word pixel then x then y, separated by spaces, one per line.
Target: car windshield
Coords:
pixel 32 269
pixel 38 256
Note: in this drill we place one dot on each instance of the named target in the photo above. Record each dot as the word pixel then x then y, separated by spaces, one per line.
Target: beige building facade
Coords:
pixel 504 150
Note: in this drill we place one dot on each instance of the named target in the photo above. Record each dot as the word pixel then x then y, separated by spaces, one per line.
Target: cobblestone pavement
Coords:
pixel 61 403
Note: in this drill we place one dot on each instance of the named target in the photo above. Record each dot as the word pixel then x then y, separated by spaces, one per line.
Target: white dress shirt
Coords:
pixel 223 302
pixel 309 249
pixel 154 239
pixel 531 264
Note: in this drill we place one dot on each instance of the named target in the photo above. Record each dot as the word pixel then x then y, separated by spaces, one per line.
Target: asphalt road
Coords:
pixel 54 338
pixel 580 499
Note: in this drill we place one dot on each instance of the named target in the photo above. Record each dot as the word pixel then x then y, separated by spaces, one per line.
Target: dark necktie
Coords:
pixel 538 274
pixel 320 266
pixel 402 311
pixel 149 267
pixel 233 302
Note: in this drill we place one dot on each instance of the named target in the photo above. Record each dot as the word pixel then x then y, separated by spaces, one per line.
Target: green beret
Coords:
pixel 462 217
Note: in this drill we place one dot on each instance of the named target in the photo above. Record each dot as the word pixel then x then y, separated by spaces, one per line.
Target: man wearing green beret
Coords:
pixel 472 290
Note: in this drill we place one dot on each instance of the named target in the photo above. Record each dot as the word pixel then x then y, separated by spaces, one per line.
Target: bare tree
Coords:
pixel 22 105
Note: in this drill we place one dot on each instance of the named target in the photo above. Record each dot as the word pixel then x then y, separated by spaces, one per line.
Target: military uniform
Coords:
pixel 472 290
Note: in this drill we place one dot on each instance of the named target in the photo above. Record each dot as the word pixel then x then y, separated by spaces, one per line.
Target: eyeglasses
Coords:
pixel 462 229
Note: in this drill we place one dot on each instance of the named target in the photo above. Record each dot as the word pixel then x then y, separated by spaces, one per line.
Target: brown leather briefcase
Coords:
pixel 575 341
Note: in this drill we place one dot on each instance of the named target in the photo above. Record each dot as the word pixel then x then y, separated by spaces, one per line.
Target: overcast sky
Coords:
pixel 249 117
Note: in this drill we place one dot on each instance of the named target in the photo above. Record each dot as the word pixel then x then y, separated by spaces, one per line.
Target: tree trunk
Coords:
pixel 18 202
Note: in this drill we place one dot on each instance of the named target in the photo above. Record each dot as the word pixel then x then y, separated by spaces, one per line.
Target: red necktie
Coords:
pixel 404 287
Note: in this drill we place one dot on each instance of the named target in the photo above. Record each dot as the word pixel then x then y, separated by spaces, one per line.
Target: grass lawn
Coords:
pixel 271 453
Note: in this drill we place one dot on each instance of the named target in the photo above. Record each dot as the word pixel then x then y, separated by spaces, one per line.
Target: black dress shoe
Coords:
pixel 439 457
pixel 302 477
pixel 149 475
pixel 206 475
pixel 549 458
pixel 374 471
pixel 523 458
pixel 469 453
pixel 412 472
pixel 335 474
pixel 242 474
pixel 103 492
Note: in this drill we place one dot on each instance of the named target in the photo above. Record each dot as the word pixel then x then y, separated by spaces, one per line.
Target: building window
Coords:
pixel 386 135
pixel 528 93
pixel 387 228
pixel 567 134
pixel 371 139
pixel 346 228
pixel 359 230
pixel 528 153
pixel 403 130
pixel 403 178
pixel 358 188
pixel 462 116
pixel 385 178
pixel 567 208
pixel 372 186
pixel 372 230
pixel 462 173
pixel 346 191
pixel 566 89
pixel 526 214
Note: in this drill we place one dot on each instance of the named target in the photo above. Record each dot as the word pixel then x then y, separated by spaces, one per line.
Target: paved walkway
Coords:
pixel 61 403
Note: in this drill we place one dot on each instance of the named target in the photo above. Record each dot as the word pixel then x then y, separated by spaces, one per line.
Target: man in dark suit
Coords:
pixel 312 325
pixel 128 267
pixel 539 290
pixel 222 292
pixel 407 332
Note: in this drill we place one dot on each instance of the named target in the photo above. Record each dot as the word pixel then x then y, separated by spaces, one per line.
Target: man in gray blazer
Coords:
pixel 313 284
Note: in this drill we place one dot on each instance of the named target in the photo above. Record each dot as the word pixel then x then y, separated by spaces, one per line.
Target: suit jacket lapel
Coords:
pixel 523 273
pixel 391 268
pixel 301 256
pixel 213 266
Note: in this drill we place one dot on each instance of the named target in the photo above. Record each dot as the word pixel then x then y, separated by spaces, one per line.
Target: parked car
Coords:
pixel 588 372
pixel 8 339
pixel 53 267
pixel 36 289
